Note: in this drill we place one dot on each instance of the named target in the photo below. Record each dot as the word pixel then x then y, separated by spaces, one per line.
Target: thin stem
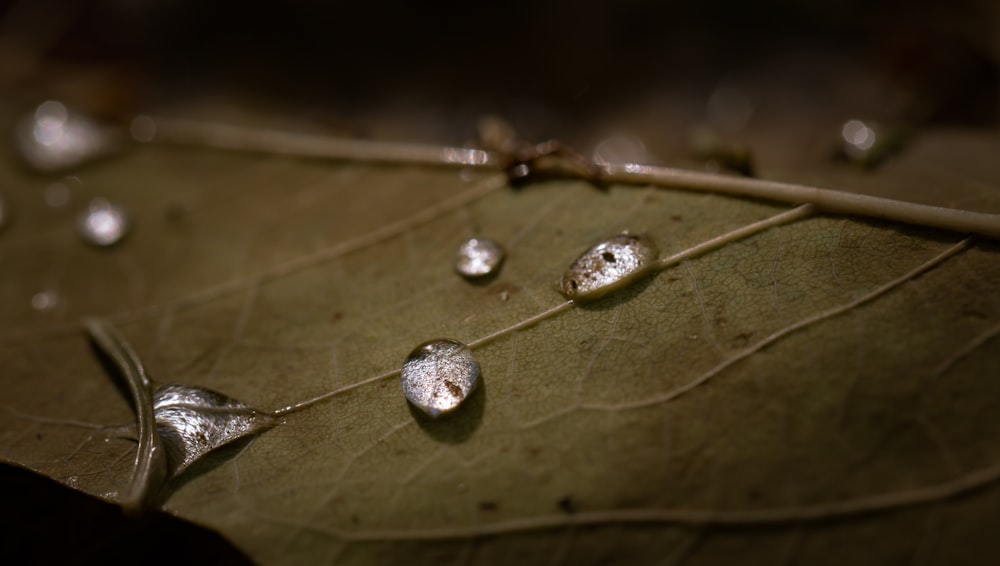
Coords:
pixel 150 469
pixel 824 199
pixel 240 138
pixel 225 136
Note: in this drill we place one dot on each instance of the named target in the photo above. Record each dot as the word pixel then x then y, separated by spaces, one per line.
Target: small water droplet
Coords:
pixel 439 375
pixel 478 257
pixel 859 139
pixel 59 193
pixel 45 300
pixel 52 138
pixel 104 223
pixel 143 129
pixel 620 148
pixel 609 265
pixel 73 481
pixel 193 421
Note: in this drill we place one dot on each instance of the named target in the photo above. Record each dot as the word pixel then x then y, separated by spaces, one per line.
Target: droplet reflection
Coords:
pixel 103 224
pixel 439 375
pixel 609 265
pixel 54 139
pixel 478 257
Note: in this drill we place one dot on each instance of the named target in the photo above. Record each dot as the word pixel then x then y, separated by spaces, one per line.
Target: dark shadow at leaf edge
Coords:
pixel 45 522
pixel 456 427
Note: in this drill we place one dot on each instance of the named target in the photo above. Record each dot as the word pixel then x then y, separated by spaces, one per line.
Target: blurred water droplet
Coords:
pixel 53 139
pixel 143 129
pixel 859 139
pixel 45 300
pixel 620 148
pixel 478 257
pixel 103 224
pixel 729 109
pixel 609 265
pixel 439 375
pixel 59 193
pixel 193 421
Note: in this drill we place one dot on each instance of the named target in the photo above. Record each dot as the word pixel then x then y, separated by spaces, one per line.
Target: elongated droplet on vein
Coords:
pixel 193 421
pixel 439 375
pixel 610 265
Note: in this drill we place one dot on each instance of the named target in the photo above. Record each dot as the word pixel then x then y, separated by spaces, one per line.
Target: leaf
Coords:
pixel 819 392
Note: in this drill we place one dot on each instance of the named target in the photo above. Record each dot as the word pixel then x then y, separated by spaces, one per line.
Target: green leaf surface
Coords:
pixel 822 392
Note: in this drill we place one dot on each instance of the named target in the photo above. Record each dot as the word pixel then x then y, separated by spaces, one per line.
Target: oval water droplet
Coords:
pixel 478 257
pixel 103 224
pixel 52 138
pixel 609 265
pixel 193 421
pixel 439 375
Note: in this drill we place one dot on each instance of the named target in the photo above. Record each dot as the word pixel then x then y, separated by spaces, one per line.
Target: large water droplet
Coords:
pixel 52 138
pixel 103 224
pixel 609 265
pixel 192 422
pixel 439 375
pixel 478 257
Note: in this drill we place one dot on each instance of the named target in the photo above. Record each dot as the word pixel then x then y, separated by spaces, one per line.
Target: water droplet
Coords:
pixel 59 193
pixel 143 129
pixel 53 139
pixel 73 481
pixel 620 148
pixel 859 139
pixel 609 265
pixel 729 108
pixel 478 257
pixel 193 421
pixel 439 375
pixel 104 223
pixel 45 300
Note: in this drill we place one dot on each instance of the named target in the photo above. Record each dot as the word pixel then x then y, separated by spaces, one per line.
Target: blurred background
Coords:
pixel 402 70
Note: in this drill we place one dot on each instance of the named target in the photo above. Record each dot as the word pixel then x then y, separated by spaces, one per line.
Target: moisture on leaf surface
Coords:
pixel 818 392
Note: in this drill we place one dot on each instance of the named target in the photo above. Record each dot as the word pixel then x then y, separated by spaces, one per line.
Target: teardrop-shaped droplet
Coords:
pixel 103 224
pixel 193 421
pixel 52 138
pixel 439 375
pixel 609 265
pixel 478 257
